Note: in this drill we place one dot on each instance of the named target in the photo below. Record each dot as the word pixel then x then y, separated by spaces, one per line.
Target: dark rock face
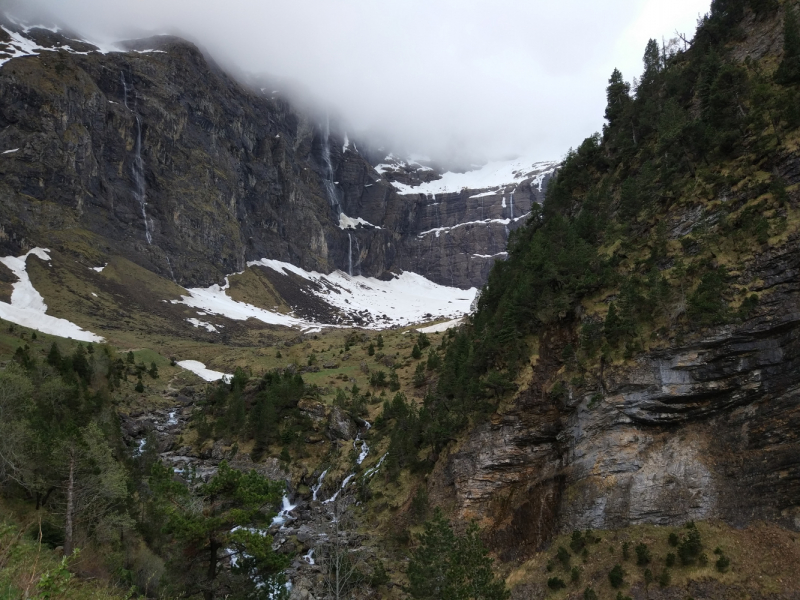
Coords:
pixel 710 429
pixel 160 157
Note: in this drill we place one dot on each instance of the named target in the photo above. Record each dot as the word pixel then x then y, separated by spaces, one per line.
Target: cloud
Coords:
pixel 473 78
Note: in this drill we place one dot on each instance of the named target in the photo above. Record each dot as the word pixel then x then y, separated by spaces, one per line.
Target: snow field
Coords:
pixel 494 174
pixel 27 307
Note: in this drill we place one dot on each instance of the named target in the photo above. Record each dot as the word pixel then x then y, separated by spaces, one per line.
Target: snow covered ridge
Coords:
pixel 27 307
pixel 23 44
pixel 366 301
pixel 497 174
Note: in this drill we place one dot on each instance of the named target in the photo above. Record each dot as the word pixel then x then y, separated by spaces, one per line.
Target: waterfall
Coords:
pixel 171 274
pixel 283 515
pixel 315 488
pixel 350 256
pixel 512 205
pixel 358 258
pixel 330 186
pixel 140 189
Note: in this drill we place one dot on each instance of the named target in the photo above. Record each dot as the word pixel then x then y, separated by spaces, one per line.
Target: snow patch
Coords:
pixel 27 306
pixel 199 323
pixel 485 194
pixel 215 301
pixel 200 370
pixel 346 222
pixel 11 151
pixel 440 327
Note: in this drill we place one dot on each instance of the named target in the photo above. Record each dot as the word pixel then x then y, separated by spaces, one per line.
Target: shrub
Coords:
pixel 642 555
pixel 690 547
pixel 556 583
pixel 648 577
pixel 723 563
pixel 563 556
pixel 626 554
pixel 139 386
pixel 419 378
pixel 670 560
pixel 673 539
pixel 616 576
pixel 577 542
pixel 371 349
pixel 416 353
pixel 664 579
pixel 589 594
pixel 575 574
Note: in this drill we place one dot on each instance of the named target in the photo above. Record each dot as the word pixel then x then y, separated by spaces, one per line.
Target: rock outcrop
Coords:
pixel 705 429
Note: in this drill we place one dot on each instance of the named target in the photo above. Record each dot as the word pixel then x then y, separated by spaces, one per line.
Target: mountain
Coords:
pixel 212 312
pixel 149 151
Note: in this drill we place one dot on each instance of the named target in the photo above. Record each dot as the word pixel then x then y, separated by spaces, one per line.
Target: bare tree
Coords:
pixel 341 555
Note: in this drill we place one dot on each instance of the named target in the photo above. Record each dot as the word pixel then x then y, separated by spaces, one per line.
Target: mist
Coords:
pixel 450 79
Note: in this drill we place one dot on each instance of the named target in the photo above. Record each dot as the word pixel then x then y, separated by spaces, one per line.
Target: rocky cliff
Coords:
pixel 153 153
pixel 701 430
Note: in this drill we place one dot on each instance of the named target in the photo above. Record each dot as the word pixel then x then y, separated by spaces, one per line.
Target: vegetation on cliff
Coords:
pixel 703 131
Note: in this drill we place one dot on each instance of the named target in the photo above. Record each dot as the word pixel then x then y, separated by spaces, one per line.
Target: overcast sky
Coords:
pixel 489 78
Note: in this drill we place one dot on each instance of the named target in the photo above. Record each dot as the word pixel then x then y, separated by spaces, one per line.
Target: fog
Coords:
pixel 467 79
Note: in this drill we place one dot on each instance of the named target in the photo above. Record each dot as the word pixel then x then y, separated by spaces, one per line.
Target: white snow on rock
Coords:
pixel 215 301
pixel 440 327
pixel 27 306
pixel 200 370
pixel 439 230
pixel 405 300
pixel 11 151
pixel 346 222
pixel 199 323
pixel 492 175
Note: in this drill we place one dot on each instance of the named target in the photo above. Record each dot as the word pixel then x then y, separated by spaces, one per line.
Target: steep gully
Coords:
pixel 308 519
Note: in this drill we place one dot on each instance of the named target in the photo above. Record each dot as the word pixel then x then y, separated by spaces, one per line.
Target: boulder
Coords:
pixel 340 425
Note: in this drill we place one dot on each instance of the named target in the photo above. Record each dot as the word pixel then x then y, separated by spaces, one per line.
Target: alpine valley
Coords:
pixel 246 354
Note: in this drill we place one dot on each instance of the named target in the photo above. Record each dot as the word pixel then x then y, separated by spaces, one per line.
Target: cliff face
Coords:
pixel 709 429
pixel 156 155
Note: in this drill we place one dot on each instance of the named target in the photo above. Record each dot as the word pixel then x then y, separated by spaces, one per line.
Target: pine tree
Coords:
pixel 449 567
pixel 652 63
pixel 617 97
pixel 789 70
pixel 224 516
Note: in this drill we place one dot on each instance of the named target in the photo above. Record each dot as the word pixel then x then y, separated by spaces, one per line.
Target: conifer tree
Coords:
pixel 445 566
pixel 789 70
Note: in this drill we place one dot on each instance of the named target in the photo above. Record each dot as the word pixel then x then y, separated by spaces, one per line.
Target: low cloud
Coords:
pixel 464 79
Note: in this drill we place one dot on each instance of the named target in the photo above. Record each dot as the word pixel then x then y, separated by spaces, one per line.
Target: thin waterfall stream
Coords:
pixel 139 183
